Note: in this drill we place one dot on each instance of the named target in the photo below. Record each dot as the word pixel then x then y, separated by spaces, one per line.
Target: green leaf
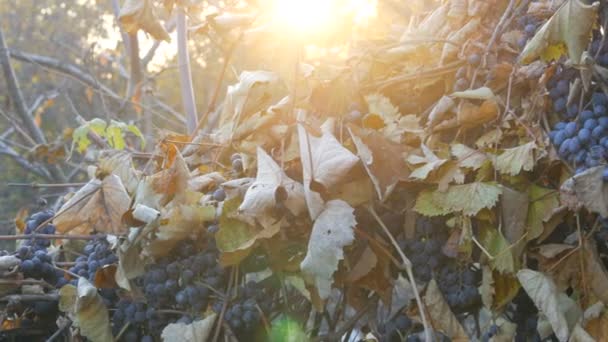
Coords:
pixel 133 129
pixel 467 198
pixel 114 136
pixel 98 126
pixel 513 160
pixel 542 203
pixel 498 247
pixel 80 139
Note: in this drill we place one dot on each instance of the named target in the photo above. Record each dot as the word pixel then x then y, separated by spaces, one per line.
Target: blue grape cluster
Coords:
pixel 97 254
pixel 35 261
pixel 184 281
pixel 424 250
pixel 459 287
pixel 584 142
pixel 396 329
pixel 559 89
pixel 529 25
pixel 242 313
pixel 142 321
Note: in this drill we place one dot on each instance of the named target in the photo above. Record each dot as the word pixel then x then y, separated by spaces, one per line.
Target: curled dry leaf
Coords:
pixel 392 124
pixel 543 293
pixel 331 232
pixel 324 161
pixel 378 157
pixel 120 163
pixel 87 310
pixel 97 206
pixel 237 187
pixel 206 182
pixel 196 331
pixel 7 262
pixel 252 93
pixel 441 315
pixel 139 15
pixel 157 190
pixel 586 189
pixel 271 185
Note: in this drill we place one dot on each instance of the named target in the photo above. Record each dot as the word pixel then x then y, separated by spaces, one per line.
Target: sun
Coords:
pixel 314 16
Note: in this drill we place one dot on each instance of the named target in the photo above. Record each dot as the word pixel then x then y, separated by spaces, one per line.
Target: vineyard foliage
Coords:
pixel 448 183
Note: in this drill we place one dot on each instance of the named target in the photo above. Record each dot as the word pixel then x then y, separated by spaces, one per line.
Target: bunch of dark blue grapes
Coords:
pixel 35 261
pixel 559 89
pixel 459 287
pixel 529 25
pixel 395 330
pixel 184 281
pixel 525 316
pixel 142 321
pixel 243 312
pixel 584 142
pixel 97 254
pixel 424 250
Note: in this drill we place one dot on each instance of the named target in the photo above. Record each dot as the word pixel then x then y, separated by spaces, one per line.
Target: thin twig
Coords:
pixel 45 185
pixel 428 333
pixel 47 237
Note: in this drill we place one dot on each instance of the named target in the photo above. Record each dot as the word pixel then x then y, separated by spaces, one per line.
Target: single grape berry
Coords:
pixel 562 87
pixel 235 156
pixel 570 129
pixel 586 115
pixel 584 135
pixel 219 195
pixel 560 104
pixel 474 59
pixel 212 229
pixel 237 165
pixel 461 84
pixel 530 30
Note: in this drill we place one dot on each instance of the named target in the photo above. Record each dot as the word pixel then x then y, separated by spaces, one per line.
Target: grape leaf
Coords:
pixel 468 157
pixel 542 203
pixel 379 157
pixel 236 238
pixel 324 161
pixel 194 332
pixel 97 206
pixel 87 310
pixel 570 25
pixel 543 293
pixel 266 190
pixel 586 189
pixel 467 198
pixel 157 190
pixel 513 160
pixel 498 247
pixel 430 160
pixel 139 15
pixel 252 93
pixel 393 123
pixel 119 163
pixel 331 232
pixel 441 315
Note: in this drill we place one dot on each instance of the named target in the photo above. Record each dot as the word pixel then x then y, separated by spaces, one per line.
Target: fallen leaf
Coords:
pixel 542 203
pixel 586 189
pixel 467 198
pixel 252 93
pixel 270 186
pixel 97 206
pixel 378 157
pixel 236 238
pixel 393 124
pixel 331 232
pixel 441 315
pixel 194 332
pixel 468 157
pixel 324 161
pixel 513 160
pixel 430 160
pixel 87 310
pixel 483 93
pixel 157 190
pixel 139 15
pixel 570 25
pixel 543 293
